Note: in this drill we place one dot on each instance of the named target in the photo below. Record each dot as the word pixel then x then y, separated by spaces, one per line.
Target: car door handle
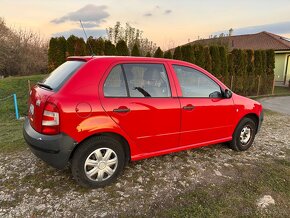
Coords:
pixel 122 110
pixel 188 107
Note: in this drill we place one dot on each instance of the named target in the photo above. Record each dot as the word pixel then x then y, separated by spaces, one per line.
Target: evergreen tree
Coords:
pixel 258 62
pixel 80 47
pixel 199 55
pixel 177 55
pixel 52 50
pixel 71 43
pixel 239 68
pixel 100 46
pixel 216 62
pixel 249 75
pixel 187 53
pixel 135 50
pixel 109 48
pixel 224 62
pixel 121 48
pixel 148 54
pixel 91 46
pixel 207 58
pixel 158 53
pixel 230 70
pixel 168 54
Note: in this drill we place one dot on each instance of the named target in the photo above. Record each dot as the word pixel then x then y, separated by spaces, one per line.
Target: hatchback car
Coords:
pixel 99 113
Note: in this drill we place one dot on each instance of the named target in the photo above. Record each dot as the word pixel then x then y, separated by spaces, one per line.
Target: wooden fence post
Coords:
pixel 232 81
pixel 259 81
pixel 29 85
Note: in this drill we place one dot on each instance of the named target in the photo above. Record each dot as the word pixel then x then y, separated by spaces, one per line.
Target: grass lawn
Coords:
pixel 280 90
pixel 10 128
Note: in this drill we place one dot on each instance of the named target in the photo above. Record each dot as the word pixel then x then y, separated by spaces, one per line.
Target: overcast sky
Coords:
pixel 166 22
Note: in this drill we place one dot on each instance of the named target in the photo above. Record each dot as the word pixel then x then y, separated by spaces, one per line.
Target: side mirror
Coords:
pixel 227 93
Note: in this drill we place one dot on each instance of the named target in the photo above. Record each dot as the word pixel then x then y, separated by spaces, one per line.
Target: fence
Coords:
pixel 251 86
pixel 15 103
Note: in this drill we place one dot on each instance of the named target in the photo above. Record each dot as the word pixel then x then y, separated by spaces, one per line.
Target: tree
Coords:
pixel 52 63
pixel 158 53
pixel 216 62
pixel 177 55
pixel 80 47
pixel 109 48
pixel 121 48
pixel 224 62
pixel 207 58
pixel 99 46
pixel 168 54
pixel 249 75
pixel 199 55
pixel 131 36
pixel 148 54
pixel 71 43
pixel 135 50
pixel 239 68
pixel 187 53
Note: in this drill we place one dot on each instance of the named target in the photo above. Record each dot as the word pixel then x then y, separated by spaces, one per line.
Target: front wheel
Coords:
pixel 244 135
pixel 98 162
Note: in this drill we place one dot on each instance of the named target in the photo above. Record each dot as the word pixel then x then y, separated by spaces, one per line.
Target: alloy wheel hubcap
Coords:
pixel 101 164
pixel 245 135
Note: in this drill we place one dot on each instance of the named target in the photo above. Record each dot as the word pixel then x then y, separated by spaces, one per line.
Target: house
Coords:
pixel 262 40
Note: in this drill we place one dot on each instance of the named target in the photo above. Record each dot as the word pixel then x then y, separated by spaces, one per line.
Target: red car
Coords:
pixel 99 113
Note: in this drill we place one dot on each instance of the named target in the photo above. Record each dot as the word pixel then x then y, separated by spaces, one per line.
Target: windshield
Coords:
pixel 60 75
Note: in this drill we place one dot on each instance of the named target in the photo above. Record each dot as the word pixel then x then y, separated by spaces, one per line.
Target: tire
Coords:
pixel 92 160
pixel 244 135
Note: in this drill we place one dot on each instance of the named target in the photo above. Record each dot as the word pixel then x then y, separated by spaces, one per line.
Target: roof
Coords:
pixel 262 40
pixel 121 58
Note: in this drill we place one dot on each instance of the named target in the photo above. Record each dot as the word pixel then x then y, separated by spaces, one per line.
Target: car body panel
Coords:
pixel 154 126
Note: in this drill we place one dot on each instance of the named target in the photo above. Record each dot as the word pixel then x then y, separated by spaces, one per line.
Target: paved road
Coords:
pixel 278 104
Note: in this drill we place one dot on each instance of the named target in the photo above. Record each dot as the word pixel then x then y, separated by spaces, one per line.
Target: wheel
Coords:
pixel 98 162
pixel 244 135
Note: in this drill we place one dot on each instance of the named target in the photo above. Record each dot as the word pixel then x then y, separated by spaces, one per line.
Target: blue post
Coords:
pixel 16 106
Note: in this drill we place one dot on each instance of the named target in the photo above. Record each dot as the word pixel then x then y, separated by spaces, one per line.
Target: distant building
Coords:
pixel 262 40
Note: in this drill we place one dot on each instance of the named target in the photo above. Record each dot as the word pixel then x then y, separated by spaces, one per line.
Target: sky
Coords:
pixel 168 23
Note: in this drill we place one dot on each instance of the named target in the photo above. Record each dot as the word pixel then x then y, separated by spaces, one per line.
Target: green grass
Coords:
pixel 280 90
pixel 19 86
pixel 10 128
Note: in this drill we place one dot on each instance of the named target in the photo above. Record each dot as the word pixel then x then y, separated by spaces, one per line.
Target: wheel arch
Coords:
pixel 253 117
pixel 113 135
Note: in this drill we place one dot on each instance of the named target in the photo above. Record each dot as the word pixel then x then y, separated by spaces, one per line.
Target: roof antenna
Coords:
pixel 92 52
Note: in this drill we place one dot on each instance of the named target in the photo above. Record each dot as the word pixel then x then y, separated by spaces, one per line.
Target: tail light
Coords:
pixel 50 120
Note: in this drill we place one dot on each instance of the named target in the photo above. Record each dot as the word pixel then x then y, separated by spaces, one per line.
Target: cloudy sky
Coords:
pixel 166 22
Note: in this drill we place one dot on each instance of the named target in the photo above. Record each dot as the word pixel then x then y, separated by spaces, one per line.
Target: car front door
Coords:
pixel 206 117
pixel 139 98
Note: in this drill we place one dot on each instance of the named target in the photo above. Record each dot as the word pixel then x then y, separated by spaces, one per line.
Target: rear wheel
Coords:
pixel 98 162
pixel 244 135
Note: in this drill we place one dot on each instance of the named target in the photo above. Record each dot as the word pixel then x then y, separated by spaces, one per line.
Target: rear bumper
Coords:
pixel 261 119
pixel 53 149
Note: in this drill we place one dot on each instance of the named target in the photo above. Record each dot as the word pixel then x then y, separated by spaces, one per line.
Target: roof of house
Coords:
pixel 262 40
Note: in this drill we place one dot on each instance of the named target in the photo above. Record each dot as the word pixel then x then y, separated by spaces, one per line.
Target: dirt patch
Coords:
pixel 28 187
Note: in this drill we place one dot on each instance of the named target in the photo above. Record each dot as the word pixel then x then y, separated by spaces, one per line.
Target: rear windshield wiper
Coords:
pixel 44 85
pixel 146 94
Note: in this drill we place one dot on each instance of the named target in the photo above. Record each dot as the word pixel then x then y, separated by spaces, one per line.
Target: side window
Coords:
pixel 147 80
pixel 115 85
pixel 196 84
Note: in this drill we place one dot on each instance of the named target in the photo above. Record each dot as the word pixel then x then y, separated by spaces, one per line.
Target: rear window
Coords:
pixel 60 75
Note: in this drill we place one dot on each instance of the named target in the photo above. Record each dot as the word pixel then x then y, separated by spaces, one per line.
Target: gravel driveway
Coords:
pixel 30 188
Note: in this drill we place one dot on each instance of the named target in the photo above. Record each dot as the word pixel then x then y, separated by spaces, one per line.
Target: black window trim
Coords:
pixel 221 90
pixel 127 85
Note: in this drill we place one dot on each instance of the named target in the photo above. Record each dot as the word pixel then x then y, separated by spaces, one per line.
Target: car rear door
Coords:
pixel 141 99
pixel 206 117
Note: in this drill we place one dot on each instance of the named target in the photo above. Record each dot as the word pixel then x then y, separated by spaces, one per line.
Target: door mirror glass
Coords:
pixel 228 93
pixel 215 94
